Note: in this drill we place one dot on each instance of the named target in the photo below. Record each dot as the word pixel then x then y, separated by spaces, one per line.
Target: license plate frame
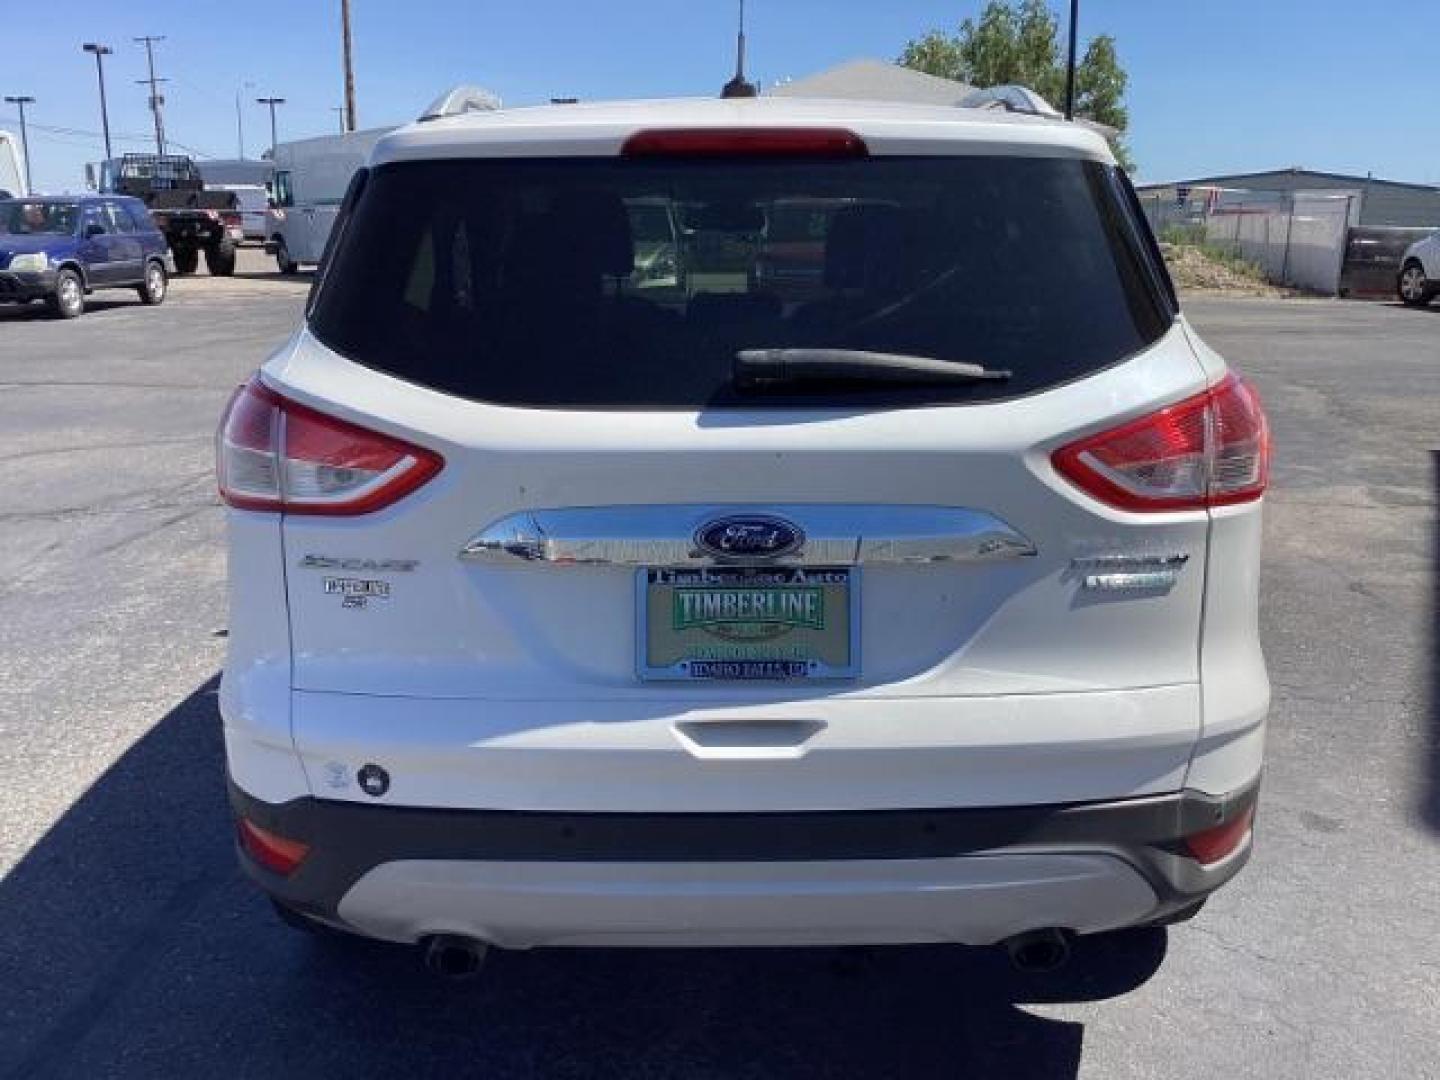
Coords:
pixel 752 660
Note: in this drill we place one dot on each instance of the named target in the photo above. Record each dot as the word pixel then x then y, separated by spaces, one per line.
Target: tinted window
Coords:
pixel 117 220
pixel 139 217
pixel 613 284
pixel 23 218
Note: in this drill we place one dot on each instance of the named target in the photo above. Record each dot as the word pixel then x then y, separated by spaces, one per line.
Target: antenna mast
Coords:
pixel 738 87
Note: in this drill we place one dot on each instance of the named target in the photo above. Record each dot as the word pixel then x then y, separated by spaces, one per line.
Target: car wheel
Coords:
pixel 68 299
pixel 186 260
pixel 1414 289
pixel 220 259
pixel 286 264
pixel 156 284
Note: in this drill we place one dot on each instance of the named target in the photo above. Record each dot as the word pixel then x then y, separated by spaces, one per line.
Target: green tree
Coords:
pixel 1018 41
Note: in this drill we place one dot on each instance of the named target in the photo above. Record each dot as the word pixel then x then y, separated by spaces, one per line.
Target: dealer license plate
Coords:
pixel 748 623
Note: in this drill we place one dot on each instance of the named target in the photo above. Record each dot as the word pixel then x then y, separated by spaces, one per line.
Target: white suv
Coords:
pixel 578 603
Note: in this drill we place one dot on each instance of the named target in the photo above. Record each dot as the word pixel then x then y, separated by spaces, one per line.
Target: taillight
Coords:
pixel 1212 845
pixel 1209 450
pixel 278 854
pixel 275 454
pixel 745 142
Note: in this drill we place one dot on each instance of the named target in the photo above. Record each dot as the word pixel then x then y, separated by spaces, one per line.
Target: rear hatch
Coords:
pixel 635 584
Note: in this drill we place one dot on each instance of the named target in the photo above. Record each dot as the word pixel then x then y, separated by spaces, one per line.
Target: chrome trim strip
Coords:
pixel 836 534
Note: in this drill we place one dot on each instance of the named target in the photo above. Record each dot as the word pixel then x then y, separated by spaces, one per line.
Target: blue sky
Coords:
pixel 1216 85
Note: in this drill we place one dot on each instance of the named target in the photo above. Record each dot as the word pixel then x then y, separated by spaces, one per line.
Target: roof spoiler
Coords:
pixel 1016 99
pixel 459 100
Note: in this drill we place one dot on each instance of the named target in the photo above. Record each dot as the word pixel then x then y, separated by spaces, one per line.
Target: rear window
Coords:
pixel 600 283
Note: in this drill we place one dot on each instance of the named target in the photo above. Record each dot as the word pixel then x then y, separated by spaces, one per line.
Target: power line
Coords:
pixel 123 136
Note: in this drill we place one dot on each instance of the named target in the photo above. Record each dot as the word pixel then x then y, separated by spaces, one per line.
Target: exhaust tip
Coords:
pixel 453 957
pixel 1039 951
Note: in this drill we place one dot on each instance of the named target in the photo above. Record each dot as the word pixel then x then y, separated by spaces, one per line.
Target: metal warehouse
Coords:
pixel 1382 203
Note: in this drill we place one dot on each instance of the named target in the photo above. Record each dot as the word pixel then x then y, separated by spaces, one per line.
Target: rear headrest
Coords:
pixel 593 227
pixel 583 236
pixel 866 248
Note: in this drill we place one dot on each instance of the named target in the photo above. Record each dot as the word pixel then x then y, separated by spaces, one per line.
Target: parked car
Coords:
pixel 1419 279
pixel 564 612
pixel 253 201
pixel 59 249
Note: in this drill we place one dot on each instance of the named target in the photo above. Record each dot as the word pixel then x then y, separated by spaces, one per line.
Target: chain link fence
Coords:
pixel 1297 239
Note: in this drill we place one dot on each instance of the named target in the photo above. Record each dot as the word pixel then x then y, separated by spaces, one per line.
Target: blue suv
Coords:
pixel 60 248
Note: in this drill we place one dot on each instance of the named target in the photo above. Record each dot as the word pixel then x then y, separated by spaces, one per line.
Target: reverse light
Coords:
pixel 1209 450
pixel 1212 845
pixel 745 142
pixel 278 854
pixel 275 454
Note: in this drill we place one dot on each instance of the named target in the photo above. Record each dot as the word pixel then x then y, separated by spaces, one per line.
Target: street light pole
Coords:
pixel 272 102
pixel 101 51
pixel 240 119
pixel 1070 62
pixel 20 101
pixel 340 110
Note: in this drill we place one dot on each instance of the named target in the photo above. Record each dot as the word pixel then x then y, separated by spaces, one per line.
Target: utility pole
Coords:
pixel 157 101
pixel 348 122
pixel 1070 62
pixel 339 110
pixel 20 102
pixel 101 51
pixel 272 102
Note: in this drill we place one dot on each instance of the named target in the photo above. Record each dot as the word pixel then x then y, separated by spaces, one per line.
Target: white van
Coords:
pixel 12 172
pixel 310 180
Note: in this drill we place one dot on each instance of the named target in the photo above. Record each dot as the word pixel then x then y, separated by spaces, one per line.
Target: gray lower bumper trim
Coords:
pixel 349 839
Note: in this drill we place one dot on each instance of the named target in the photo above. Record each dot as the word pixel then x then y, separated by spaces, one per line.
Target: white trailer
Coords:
pixel 311 176
pixel 12 170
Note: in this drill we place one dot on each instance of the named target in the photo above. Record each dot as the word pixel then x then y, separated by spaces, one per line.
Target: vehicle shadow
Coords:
pixel 1432 308
pixel 94 305
pixel 131 946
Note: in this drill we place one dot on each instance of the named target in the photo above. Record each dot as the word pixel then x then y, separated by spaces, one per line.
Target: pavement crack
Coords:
pixel 50 384
pixel 140 444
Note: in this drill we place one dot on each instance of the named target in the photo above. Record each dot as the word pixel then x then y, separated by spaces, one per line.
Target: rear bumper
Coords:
pixel 522 878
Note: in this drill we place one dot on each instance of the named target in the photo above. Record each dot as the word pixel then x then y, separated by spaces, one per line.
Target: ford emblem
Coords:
pixel 749 536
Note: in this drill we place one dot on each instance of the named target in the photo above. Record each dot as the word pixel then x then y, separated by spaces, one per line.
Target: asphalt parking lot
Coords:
pixel 130 946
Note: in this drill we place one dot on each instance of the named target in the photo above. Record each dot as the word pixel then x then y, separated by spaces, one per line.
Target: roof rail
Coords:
pixel 1017 99
pixel 458 100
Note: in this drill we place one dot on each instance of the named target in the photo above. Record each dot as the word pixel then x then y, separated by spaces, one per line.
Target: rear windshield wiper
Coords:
pixel 756 368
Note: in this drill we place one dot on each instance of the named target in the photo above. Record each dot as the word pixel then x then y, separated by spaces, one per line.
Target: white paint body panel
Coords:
pixel 600 128
pixel 719 753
